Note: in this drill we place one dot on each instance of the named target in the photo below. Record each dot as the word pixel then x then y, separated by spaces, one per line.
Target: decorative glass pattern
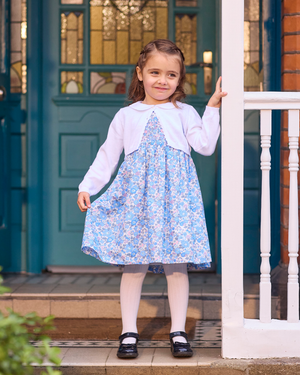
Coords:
pixel 108 82
pixel 253 26
pixel 186 3
pixel 72 1
pixel 190 86
pixel 71 37
pixel 18 41
pixel 186 36
pixel 71 82
pixel 119 29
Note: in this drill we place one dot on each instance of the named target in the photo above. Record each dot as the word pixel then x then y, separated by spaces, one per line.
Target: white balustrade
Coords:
pixel 264 337
pixel 265 238
pixel 293 242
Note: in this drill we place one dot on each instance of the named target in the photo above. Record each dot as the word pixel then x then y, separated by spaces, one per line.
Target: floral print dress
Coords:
pixel 153 211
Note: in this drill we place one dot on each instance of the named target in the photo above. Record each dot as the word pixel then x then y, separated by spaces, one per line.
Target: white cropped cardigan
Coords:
pixel 182 127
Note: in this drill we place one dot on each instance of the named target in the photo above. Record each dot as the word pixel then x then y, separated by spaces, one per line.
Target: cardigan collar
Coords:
pixel 139 106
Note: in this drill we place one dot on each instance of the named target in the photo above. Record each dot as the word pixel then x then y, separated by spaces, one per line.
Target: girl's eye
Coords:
pixel 172 75
pixel 154 72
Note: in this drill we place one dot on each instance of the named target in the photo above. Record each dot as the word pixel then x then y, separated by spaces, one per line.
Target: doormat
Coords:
pixel 206 334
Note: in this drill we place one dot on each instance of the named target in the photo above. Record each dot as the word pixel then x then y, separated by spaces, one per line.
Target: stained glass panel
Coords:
pixel 71 37
pixel 108 82
pixel 120 29
pixel 18 41
pixel 253 64
pixel 186 36
pixel 186 3
pixel 72 1
pixel 71 82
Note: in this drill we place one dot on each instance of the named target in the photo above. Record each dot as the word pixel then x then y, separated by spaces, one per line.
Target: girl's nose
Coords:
pixel 162 80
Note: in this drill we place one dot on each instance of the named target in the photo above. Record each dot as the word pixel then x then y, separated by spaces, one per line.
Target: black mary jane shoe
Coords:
pixel 128 350
pixel 180 349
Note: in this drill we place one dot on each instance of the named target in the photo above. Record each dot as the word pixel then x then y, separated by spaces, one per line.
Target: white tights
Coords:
pixel 130 295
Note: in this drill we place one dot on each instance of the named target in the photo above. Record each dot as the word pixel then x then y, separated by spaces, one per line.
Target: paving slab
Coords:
pixel 86 357
pixel 144 358
pixel 104 290
pixel 65 290
pixel 30 290
pixel 163 357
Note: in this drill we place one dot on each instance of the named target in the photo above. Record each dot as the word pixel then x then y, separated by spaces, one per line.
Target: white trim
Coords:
pixel 232 166
pixel 259 340
pixel 272 100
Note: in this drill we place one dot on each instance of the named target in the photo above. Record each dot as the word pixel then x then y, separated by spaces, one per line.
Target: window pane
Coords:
pixel 71 37
pixel 72 1
pixel 253 46
pixel 71 82
pixel 118 30
pixel 18 41
pixel 108 82
pixel 186 36
pixel 186 3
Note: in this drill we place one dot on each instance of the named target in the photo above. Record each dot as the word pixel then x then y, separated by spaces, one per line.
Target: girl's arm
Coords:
pixel 106 160
pixel 202 134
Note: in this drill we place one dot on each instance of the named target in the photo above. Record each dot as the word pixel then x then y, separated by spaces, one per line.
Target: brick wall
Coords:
pixel 290 81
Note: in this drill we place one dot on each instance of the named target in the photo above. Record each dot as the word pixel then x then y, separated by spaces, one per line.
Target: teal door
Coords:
pixel 89 52
pixel 5 259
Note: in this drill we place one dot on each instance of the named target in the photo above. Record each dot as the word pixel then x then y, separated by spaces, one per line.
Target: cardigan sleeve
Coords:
pixel 106 160
pixel 202 134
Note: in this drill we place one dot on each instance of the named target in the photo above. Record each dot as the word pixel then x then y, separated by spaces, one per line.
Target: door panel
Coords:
pixel 85 86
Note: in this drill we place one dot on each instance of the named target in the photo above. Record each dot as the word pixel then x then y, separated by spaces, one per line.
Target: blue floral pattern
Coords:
pixel 153 211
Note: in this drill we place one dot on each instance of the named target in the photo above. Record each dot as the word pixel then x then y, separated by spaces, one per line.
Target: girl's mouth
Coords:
pixel 161 88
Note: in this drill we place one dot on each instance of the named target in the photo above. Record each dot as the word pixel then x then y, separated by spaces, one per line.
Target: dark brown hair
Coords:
pixel 136 90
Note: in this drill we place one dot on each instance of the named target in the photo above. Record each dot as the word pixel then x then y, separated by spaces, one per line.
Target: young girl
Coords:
pixel 152 215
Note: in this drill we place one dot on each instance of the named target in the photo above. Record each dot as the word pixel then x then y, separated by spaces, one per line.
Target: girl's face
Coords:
pixel 160 77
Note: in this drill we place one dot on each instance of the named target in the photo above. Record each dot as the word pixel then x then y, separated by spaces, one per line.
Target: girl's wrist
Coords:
pixel 213 104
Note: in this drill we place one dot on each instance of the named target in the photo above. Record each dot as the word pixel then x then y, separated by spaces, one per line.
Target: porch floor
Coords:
pixel 97 296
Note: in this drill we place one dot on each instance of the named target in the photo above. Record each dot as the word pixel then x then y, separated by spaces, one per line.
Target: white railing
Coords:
pixel 263 337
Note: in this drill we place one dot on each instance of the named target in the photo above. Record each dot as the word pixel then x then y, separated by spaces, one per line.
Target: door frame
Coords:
pixel 34 137
pixel 35 196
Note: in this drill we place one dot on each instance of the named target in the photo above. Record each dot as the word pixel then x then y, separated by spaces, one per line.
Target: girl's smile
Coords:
pixel 160 78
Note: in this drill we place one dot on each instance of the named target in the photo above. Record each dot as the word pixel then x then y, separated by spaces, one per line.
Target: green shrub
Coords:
pixel 17 354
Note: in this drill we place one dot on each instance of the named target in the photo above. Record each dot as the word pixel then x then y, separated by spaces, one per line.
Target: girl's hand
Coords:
pixel 83 201
pixel 215 100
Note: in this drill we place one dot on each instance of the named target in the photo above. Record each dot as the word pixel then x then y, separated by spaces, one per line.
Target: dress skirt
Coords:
pixel 153 211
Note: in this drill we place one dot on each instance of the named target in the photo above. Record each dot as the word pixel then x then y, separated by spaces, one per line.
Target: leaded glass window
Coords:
pixel 108 82
pixel 18 41
pixel 120 29
pixel 71 82
pixel 71 37
pixel 102 61
pixel 253 46
pixel 186 3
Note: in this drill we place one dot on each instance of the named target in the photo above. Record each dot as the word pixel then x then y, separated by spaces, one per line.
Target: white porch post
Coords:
pixel 232 167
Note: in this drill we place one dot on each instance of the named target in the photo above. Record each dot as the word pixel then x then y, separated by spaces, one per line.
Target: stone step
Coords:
pixel 107 305
pixel 90 296
pixel 96 361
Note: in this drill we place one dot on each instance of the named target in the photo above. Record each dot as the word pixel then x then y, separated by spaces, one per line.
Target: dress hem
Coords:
pixel 155 267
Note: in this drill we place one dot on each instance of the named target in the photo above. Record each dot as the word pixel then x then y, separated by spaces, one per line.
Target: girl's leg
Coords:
pixel 130 295
pixel 178 295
